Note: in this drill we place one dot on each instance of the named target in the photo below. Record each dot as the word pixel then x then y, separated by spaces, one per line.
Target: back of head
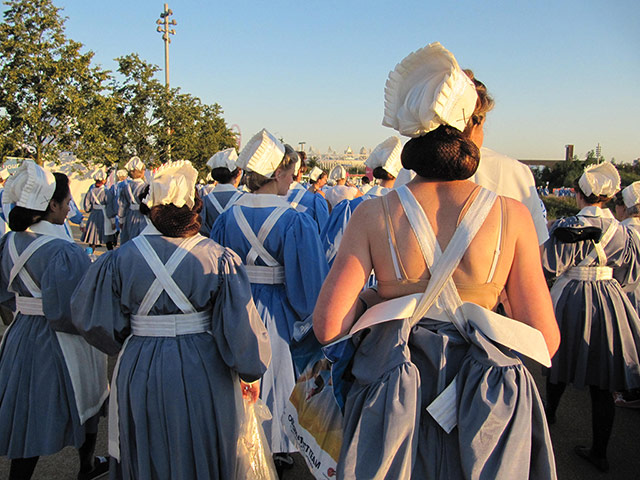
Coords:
pixel 21 218
pixel 442 154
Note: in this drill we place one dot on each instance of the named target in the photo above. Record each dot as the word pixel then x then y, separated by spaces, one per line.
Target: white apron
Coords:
pixel 108 227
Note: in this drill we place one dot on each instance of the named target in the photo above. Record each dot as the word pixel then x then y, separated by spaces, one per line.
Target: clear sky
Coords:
pixel 560 71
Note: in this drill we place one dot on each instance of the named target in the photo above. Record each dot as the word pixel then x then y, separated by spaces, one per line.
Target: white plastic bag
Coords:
pixel 253 456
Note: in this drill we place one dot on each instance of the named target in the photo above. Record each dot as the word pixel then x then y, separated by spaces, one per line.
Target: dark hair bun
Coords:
pixel 442 154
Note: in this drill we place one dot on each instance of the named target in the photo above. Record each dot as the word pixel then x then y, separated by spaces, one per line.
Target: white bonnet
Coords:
pixel 315 173
pixel 631 195
pixel 99 175
pixel 173 183
pixel 30 187
pixel 600 179
pixel 338 173
pixel 225 158
pixel 262 154
pixel 4 174
pixel 428 89
pixel 134 163
pixel 387 156
pixel 122 173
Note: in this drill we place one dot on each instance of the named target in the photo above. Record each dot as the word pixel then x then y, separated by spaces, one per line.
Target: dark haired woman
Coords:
pixel 178 308
pixel 281 251
pixel 228 175
pixel 305 201
pixel 436 393
pixel 599 326
pixel 52 383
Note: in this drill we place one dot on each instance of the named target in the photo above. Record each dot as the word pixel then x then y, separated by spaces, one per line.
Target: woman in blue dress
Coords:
pixel 224 171
pixel 385 163
pixel 101 206
pixel 281 251
pixel 593 257
pixel 305 201
pixel 178 308
pixel 52 383
pixel 438 391
pixel 132 222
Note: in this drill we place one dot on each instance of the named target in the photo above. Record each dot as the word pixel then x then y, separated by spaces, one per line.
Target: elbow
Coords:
pixel 321 329
pixel 552 339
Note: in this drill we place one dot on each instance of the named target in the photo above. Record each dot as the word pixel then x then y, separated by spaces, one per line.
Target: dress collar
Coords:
pixel 296 186
pixel 44 227
pixel 262 200
pixel 631 221
pixel 593 211
pixel 224 187
pixel 150 229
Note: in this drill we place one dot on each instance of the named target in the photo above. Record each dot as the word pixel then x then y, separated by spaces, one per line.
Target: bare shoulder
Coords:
pixel 367 213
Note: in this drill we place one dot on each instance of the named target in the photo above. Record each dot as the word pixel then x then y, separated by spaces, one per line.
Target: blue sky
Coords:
pixel 560 71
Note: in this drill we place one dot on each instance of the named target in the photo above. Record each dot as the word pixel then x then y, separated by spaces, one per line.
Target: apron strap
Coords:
pixel 163 280
pixel 19 262
pixel 257 242
pixel 296 199
pixel 214 201
pixel 442 265
pixel 598 250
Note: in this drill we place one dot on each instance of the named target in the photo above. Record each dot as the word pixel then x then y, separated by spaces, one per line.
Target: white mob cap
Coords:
pixel 315 173
pixel 226 158
pixel 631 195
pixel 428 89
pixel 262 154
pixel 134 163
pixel 122 173
pixel 4 174
pixel 30 187
pixel 338 173
pixel 387 156
pixel 600 179
pixel 173 183
pixel 99 176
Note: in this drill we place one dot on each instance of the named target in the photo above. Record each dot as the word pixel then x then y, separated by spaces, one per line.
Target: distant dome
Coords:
pixel 348 151
pixel 363 151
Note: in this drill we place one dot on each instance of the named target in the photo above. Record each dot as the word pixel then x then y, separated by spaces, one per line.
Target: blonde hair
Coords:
pixel 485 102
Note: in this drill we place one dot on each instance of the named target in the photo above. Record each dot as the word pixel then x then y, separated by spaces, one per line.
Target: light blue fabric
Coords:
pixel 313 205
pixel 94 233
pixel 295 244
pixel 38 414
pixel 209 213
pixel 132 221
pixel 177 396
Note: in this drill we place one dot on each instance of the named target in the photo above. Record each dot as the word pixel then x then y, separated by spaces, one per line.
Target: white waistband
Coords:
pixel 590 273
pixel 29 305
pixel 134 206
pixel 265 275
pixel 170 325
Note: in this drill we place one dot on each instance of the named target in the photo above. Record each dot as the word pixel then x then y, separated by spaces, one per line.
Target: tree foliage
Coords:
pixel 53 99
pixel 46 83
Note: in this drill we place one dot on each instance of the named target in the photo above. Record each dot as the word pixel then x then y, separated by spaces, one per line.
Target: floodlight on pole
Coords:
pixel 163 27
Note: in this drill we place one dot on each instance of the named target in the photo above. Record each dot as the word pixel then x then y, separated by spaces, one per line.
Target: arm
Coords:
pixel 526 287
pixel 337 305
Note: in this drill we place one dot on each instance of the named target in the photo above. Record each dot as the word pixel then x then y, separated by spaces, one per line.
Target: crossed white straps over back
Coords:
pixel 163 272
pixel 257 242
pixel 295 201
pixel 442 265
pixel 216 204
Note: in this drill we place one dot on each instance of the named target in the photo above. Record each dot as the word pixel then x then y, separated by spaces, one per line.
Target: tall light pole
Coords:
pixel 163 27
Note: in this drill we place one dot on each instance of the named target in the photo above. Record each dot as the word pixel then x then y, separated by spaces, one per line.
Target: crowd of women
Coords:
pixel 213 289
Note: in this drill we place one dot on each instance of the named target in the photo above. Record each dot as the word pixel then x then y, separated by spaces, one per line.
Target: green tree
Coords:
pixel 47 85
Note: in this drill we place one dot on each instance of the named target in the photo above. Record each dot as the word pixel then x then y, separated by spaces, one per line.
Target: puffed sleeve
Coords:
pixel 305 266
pixel 628 271
pixel 557 256
pixel 237 328
pixel 7 298
pixel 321 210
pixel 64 272
pixel 87 204
pixel 95 306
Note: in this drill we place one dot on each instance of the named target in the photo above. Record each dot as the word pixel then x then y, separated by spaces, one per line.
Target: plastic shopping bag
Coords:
pixel 253 456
